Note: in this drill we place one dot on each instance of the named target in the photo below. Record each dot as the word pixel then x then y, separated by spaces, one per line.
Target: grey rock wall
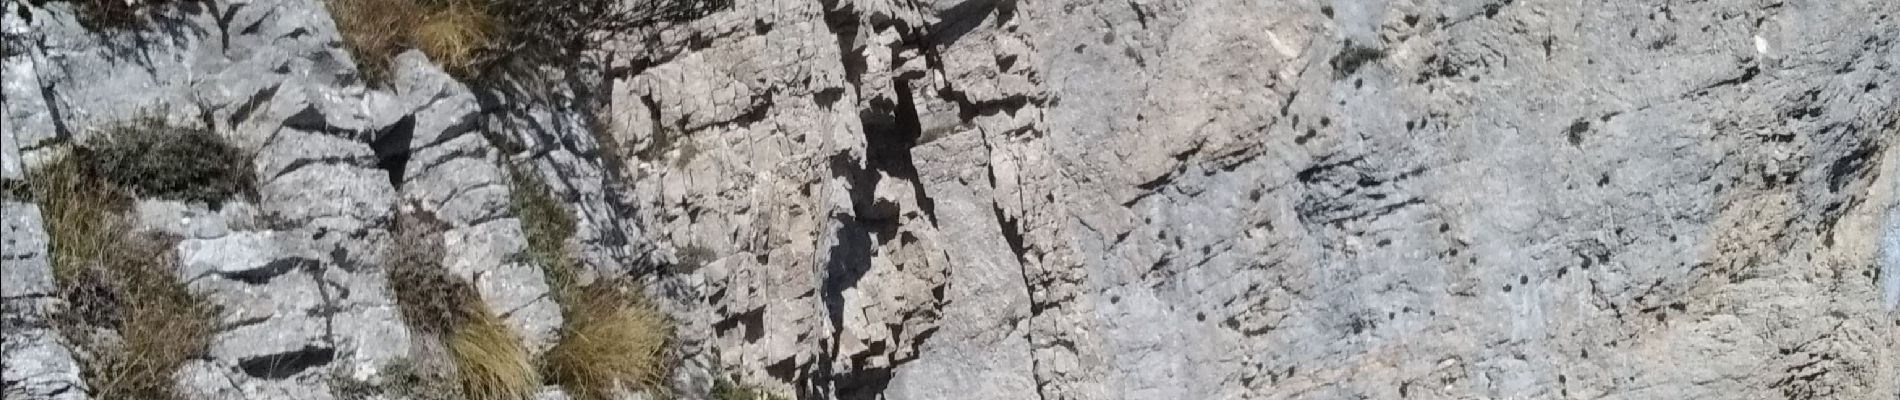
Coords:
pixel 39 365
pixel 1225 199
pixel 1078 199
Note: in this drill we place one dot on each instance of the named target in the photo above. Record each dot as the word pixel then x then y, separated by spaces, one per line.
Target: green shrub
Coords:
pixel 155 159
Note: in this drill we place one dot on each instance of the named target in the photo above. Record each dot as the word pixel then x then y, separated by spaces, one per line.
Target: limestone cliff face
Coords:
pixel 1006 199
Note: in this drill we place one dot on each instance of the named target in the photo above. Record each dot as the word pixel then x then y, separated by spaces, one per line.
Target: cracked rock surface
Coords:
pixel 1070 199
pixel 1229 199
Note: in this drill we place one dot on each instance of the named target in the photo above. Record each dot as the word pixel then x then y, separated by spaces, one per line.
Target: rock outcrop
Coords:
pixel 1002 199
pixel 1225 199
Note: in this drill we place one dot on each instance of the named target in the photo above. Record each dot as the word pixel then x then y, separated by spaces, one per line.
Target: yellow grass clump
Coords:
pixel 610 339
pixel 453 34
pixel 490 359
pixel 450 32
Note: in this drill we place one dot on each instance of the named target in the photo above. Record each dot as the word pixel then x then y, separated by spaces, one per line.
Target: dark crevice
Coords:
pixel 301 163
pixel 958 21
pixel 1576 131
pixel 888 146
pixel 1352 57
pixel 762 104
pixel 1012 234
pixel 784 370
pixel 828 97
pixel 285 365
pixel 312 120
pixel 1747 75
pixel 392 149
pixel 1310 174
pixel 1850 166
pixel 244 111
pixel 262 275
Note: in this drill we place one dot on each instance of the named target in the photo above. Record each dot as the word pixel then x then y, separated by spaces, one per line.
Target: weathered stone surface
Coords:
pixel 456 174
pixel 1225 199
pixel 1890 246
pixel 38 365
pixel 29 272
pixel 1072 200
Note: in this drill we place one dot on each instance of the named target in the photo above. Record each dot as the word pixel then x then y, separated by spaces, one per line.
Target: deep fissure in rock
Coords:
pixel 392 149
pixel 285 365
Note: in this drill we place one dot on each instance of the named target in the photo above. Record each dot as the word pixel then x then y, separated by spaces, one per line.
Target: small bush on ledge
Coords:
pixel 159 160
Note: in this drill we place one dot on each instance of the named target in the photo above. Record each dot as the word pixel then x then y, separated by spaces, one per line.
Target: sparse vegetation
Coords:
pixel 113 14
pixel 610 339
pixel 131 320
pixel 602 127
pixel 452 33
pixel 398 380
pixel 474 37
pixel 490 359
pixel 374 31
pixel 159 160
pixel 548 227
pixel 491 362
pixel 726 389
pixel 542 32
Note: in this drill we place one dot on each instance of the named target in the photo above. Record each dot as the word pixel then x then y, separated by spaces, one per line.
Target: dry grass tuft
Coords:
pixel 490 359
pixel 610 339
pixel 117 282
pixel 453 34
pixel 473 38
pixel 162 324
pixel 80 213
pixel 374 31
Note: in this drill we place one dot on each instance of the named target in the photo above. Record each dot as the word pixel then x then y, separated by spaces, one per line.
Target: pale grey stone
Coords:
pixel 1077 200
pixel 38 364
pixel 29 271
